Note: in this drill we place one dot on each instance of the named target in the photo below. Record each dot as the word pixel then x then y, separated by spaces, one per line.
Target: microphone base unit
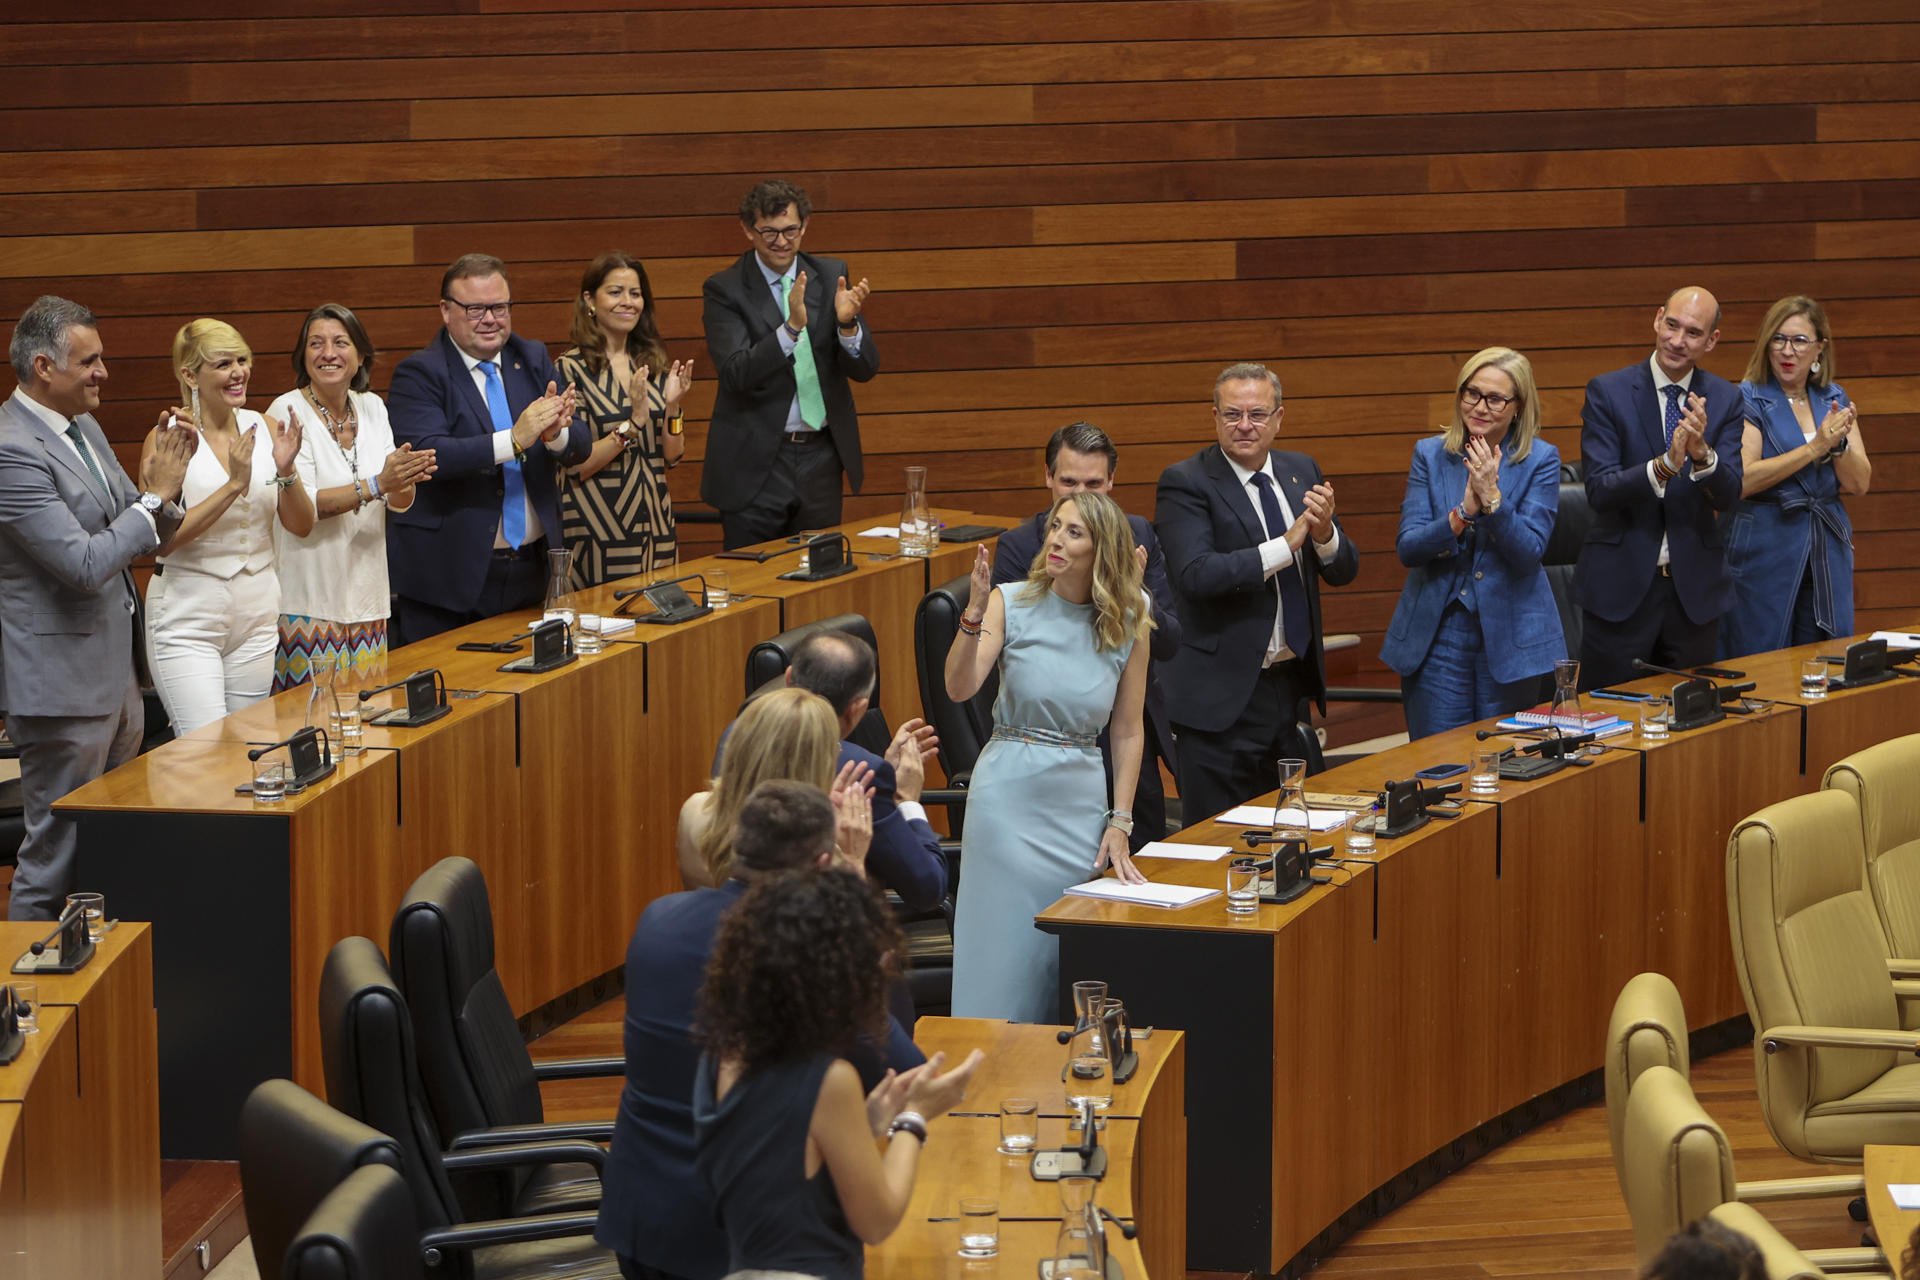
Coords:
pixel 1407 828
pixel 528 666
pixel 1051 1166
pixel 1113 1271
pixel 401 718
pixel 675 619
pixel 1526 768
pixel 820 575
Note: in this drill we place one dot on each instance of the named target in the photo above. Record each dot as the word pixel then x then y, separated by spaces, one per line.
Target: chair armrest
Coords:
pixel 1903 968
pixel 950 796
pixel 578 1068
pixel 1777 1189
pixel 1846 1261
pixel 478 1235
pixel 1778 1038
pixel 1906 989
pixel 1363 693
pixel 582 1139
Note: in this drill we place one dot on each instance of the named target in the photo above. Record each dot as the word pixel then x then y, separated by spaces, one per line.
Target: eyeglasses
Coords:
pixel 1798 341
pixel 774 235
pixel 1473 396
pixel 478 311
pixel 1234 417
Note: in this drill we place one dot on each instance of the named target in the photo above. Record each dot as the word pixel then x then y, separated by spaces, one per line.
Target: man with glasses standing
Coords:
pixel 1249 534
pixel 1660 441
pixel 489 404
pixel 786 336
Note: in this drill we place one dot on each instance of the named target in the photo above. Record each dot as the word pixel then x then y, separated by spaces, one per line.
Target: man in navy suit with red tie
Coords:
pixel 1661 445
pixel 488 403
pixel 1249 535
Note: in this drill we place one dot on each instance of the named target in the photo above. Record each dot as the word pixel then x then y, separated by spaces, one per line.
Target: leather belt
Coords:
pixel 801 439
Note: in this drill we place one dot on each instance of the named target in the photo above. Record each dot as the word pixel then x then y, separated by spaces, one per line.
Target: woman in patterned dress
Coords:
pixel 616 514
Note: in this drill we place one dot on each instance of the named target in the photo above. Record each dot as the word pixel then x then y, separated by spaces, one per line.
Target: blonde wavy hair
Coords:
pixel 201 341
pixel 1120 607
pixel 789 733
pixel 1525 424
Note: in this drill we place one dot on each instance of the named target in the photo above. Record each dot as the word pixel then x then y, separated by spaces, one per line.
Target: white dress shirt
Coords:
pixel 850 345
pixel 503 448
pixel 1275 554
pixel 1699 471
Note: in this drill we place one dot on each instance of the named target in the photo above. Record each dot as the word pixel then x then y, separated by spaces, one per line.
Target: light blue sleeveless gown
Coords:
pixel 1036 807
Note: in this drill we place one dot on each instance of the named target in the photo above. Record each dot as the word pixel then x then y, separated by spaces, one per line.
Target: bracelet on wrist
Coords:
pixel 791 331
pixel 286 481
pixel 971 626
pixel 909 1122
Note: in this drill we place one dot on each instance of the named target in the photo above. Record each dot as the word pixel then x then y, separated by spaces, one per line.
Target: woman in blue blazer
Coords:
pixel 1789 542
pixel 1476 628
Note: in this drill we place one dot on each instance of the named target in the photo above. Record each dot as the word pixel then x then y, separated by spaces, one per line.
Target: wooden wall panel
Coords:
pixel 1067 209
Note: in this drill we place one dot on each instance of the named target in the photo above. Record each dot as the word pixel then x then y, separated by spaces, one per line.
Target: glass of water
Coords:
pixel 26 1006
pixel 1243 886
pixel 1360 830
pixel 1813 678
pixel 1019 1126
pixel 1655 719
pixel 719 588
pixel 586 635
pixel 979 1227
pixel 93 906
pixel 1483 777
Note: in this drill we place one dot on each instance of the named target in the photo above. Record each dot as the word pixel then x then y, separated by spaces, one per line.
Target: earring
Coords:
pixel 1816 367
pixel 591 312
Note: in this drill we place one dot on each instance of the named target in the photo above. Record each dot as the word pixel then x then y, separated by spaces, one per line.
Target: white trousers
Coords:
pixel 210 642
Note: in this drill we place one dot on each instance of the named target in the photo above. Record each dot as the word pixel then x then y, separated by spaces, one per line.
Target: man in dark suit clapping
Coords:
pixel 1249 533
pixel 786 336
pixel 487 402
pixel 1661 445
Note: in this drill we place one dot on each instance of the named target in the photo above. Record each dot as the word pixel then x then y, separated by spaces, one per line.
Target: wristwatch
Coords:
pixel 152 503
pixel 1120 820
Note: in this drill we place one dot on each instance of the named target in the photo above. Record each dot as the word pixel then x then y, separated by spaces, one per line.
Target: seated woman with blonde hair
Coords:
pixel 788 733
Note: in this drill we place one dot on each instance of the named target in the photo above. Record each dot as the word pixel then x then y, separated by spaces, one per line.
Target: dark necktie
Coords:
pixel 86 455
pixel 513 509
pixel 1673 392
pixel 1295 629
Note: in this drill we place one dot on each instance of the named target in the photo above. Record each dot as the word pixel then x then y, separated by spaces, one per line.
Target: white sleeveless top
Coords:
pixel 242 538
pixel 339 571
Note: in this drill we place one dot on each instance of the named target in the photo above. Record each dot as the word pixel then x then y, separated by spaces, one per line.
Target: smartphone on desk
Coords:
pixel 1435 772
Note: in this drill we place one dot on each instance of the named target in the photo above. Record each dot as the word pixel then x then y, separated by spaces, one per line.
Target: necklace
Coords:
pixel 339 427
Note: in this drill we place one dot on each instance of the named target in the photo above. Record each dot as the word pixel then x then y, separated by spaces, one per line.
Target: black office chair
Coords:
pixel 474 1064
pixel 1570 527
pixel 294 1150
pixel 964 727
pixel 767 664
pixel 363 1229
pixel 367 1047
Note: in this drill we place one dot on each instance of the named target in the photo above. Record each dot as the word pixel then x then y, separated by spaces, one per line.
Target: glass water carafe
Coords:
pixel 1089 1075
pixel 918 534
pixel 560 589
pixel 1567 714
pixel 1080 1249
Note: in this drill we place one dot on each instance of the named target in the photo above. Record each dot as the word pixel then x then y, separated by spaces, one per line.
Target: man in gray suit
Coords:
pixel 70 524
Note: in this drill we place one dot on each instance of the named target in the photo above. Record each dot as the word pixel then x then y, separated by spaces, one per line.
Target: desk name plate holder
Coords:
pixel 828 556
pixel 552 649
pixel 426 702
pixel 1401 813
pixel 66 950
pixel 1696 704
pixel 1866 663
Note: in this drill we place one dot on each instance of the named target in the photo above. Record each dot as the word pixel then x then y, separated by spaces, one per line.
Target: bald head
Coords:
pixel 1685 328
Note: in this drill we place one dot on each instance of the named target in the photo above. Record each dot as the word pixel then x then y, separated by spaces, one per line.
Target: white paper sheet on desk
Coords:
pixel 1188 852
pixel 1906 1195
pixel 1898 639
pixel 880 531
pixel 1143 895
pixel 613 624
pixel 1261 815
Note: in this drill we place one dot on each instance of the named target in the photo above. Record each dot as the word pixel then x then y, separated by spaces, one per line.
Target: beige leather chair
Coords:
pixel 1649 1029
pixel 1679 1168
pixel 1884 782
pixel 1834 1067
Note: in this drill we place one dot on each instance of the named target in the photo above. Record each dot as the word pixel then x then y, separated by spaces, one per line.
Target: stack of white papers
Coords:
pixel 1898 639
pixel 1906 1195
pixel 1262 815
pixel 880 531
pixel 1186 852
pixel 1143 895
pixel 612 624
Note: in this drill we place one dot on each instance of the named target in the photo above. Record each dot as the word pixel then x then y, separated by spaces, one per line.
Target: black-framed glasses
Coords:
pixel 1234 417
pixel 775 235
pixel 478 311
pixel 1472 397
pixel 1798 341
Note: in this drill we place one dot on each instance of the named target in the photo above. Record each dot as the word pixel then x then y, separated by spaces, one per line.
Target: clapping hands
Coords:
pixel 1483 476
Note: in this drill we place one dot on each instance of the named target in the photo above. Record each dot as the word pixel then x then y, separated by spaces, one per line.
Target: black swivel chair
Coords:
pixel 367 1047
pixel 1570 527
pixel 767 664
pixel 294 1150
pixel 364 1229
pixel 474 1064
pixel 964 727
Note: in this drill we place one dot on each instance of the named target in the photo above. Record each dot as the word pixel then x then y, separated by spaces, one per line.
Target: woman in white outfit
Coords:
pixel 334 596
pixel 214 603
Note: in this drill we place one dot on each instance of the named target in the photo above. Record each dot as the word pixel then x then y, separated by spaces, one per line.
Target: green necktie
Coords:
pixel 86 455
pixel 806 377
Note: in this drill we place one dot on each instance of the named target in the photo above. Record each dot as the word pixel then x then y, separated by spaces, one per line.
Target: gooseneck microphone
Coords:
pixel 1726 692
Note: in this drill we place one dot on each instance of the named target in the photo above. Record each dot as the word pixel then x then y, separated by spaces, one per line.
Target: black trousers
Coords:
pixel 1219 769
pixel 802 492
pixel 515 580
pixel 1657 631
pixel 1149 796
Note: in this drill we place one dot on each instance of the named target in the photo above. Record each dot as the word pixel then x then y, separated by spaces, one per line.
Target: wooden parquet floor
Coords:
pixel 1546 1204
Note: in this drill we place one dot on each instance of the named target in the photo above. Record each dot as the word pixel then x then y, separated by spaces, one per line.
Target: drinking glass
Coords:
pixel 586 635
pixel 94 905
pixel 919 536
pixel 26 1004
pixel 1293 796
pixel 1243 887
pixel 1655 719
pixel 270 780
pixel 1089 1069
pixel 1360 830
pixel 719 588
pixel 979 1227
pixel 1813 678
pixel 1484 777
pixel 1019 1126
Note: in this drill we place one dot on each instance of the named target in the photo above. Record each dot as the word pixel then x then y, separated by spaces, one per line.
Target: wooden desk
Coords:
pixel 565 787
pixel 1454 980
pixel 79 1118
pixel 1145 1138
pixel 1843 722
pixel 1892 1225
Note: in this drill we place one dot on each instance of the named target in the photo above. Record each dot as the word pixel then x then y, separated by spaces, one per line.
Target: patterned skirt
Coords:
pixel 360 648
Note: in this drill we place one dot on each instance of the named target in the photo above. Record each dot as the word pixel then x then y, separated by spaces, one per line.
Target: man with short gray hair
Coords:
pixel 70 524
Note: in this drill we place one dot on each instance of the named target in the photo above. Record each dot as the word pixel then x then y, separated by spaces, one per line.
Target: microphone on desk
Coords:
pixel 1725 692
pixel 438 681
pixel 426 699
pixel 1548 742
pixel 66 919
pixel 299 736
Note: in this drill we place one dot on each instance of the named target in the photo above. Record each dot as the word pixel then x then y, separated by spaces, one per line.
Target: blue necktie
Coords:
pixel 1673 392
pixel 513 511
pixel 1294 624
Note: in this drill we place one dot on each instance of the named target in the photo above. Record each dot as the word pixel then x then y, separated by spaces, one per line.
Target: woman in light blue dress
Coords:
pixel 1066 640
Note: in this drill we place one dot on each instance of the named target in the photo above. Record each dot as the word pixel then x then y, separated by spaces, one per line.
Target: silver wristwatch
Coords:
pixel 153 503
